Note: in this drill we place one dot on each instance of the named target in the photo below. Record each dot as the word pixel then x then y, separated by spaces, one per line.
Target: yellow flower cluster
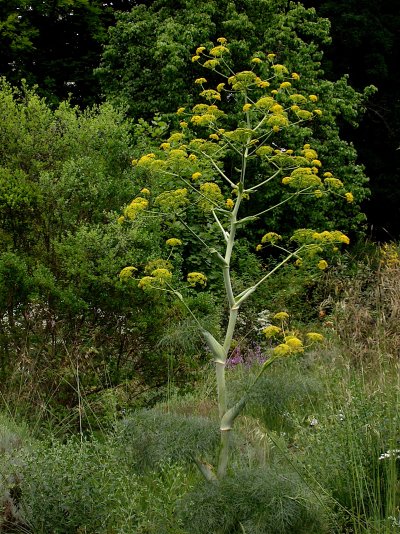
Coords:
pixel 335 183
pixel 137 205
pixel 127 272
pixel 211 63
pixel 173 242
pixel 314 337
pixel 157 264
pixel 240 135
pixel 389 254
pixel 172 200
pixel 335 236
pixel 271 237
pixel 195 278
pixel 211 195
pixel 219 51
pixel 210 94
pixel 281 316
pixel 242 80
pixel 301 178
pixel 146 282
pixel 162 275
pixel 271 331
pixel 264 150
pixel 265 103
pixel 280 69
pixel 291 343
pixel 205 114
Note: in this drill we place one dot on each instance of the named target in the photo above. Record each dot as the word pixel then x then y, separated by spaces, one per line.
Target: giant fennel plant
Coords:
pixel 239 120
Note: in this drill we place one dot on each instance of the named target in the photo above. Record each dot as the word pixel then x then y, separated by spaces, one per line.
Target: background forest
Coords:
pixel 107 394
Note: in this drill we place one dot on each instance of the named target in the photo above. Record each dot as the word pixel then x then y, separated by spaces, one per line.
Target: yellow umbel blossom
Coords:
pixel 162 275
pixel 298 99
pixel 197 278
pixel 157 264
pixel 146 160
pixel 271 237
pixel 200 50
pixel 175 137
pixel 146 282
pixel 281 316
pixel 172 200
pixel 219 51
pixel 349 197
pixel 221 40
pixel 196 176
pixel 256 60
pixel 127 272
pixel 282 350
pixel 295 76
pixel 135 207
pixel 313 98
pixel 229 203
pixel 195 58
pixel 220 86
pixel 285 85
pixel 211 63
pixel 322 264
pixel 173 242
pixel 200 81
pixel 295 344
pixel 145 191
pixel 271 331
pixel 246 107
pixel 314 337
pixel 210 94
pixel 271 56
pixel 211 195
pixel 333 182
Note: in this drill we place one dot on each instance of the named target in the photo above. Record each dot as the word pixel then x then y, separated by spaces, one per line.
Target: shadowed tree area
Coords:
pixel 366 46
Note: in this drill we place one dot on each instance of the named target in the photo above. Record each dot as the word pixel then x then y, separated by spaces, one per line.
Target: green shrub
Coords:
pixel 73 487
pixel 150 437
pixel 254 501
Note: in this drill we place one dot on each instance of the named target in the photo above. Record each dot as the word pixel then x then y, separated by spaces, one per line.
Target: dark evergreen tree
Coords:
pixel 56 44
pixel 366 45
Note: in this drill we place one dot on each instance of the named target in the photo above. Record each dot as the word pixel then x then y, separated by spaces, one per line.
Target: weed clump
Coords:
pixel 255 501
pixel 150 437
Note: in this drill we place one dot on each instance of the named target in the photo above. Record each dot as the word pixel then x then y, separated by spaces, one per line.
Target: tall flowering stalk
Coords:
pixel 191 163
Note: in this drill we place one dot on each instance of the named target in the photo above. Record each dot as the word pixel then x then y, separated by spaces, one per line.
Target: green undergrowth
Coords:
pixel 316 450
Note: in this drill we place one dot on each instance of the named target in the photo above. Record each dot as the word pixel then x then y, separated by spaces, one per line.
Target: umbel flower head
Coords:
pixel 196 278
pixel 173 242
pixel 127 272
